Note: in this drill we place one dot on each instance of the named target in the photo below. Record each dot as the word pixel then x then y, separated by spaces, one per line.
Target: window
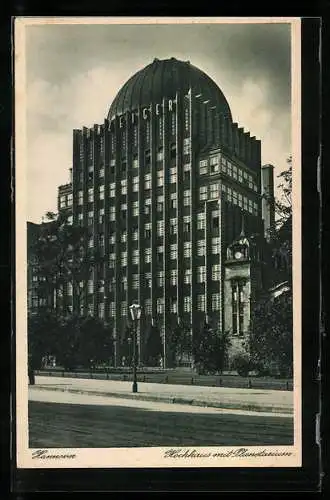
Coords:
pixel 101 310
pixel 203 167
pixel 173 124
pixel 160 154
pixel 160 253
pixel 187 303
pixel 237 308
pixel 147 203
pixel 147 131
pixel 200 247
pixel 135 184
pixel 160 305
pixel 173 277
pixel 215 301
pixel 201 274
pixel 101 172
pixel 69 199
pixel 123 259
pixel 201 302
pixel 214 164
pixel 135 135
pixel 186 197
pixel 135 281
pixel 112 190
pixel 240 200
pixel 62 201
pixel 112 309
pixel 101 216
pixel 186 224
pixel 214 191
pixel 234 173
pixel 201 220
pixel 123 207
pixel 240 175
pixel 255 208
pixel 135 162
pixel 101 192
pixel 90 194
pixel 135 257
pixel 160 227
pixel 147 307
pixel 203 193
pixel 135 208
pixel 147 255
pixel 148 280
pixel 173 226
pixel 215 219
pixel 70 220
pixel 112 238
pixel 160 203
pixel 173 251
pixel 123 236
pixel 69 289
pixel 112 284
pixel 187 276
pixel 173 201
pixel 80 197
pixel 135 234
pixel 101 240
pixel 147 181
pixel 173 175
pixel 160 178
pixel 215 245
pixel 124 283
pixel 216 272
pixel 186 146
pixel 187 248
pixel 186 119
pixel 90 286
pixel 173 305
pixel 160 278
pixel 112 260
pixel 186 172
pixel 123 308
pixel 90 218
pixel 123 184
pixel 147 230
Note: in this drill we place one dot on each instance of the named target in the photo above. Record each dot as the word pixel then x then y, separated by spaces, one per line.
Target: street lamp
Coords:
pixel 135 310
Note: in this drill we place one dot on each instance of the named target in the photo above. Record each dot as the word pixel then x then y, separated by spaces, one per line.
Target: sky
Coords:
pixel 73 73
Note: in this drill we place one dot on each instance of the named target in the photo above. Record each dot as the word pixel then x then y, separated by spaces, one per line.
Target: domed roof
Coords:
pixel 162 79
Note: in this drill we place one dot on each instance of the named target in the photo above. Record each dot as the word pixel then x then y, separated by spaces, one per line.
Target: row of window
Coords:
pixel 216 163
pixel 160 280
pixel 173 253
pixel 160 305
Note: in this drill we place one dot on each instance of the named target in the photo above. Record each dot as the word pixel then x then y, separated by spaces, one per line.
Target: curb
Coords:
pixel 174 400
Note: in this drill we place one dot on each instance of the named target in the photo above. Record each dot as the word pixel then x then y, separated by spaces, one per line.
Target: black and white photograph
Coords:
pixel 158 255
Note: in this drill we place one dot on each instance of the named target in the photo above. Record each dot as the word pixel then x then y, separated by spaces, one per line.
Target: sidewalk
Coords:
pixel 217 397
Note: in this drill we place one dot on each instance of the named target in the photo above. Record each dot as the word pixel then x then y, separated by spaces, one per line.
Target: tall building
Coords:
pixel 171 191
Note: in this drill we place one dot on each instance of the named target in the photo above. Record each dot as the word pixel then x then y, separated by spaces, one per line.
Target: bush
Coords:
pixel 242 364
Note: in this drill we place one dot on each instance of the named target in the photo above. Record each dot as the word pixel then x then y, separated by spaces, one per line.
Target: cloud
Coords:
pixel 74 73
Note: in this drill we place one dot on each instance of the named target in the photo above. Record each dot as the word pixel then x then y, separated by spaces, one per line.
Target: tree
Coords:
pixel 210 349
pixel 154 346
pixel 63 260
pixel 179 343
pixel 42 336
pixel 283 203
pixel 271 337
pixel 83 341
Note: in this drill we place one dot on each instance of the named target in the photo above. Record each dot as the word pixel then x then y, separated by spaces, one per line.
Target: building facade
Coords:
pixel 166 186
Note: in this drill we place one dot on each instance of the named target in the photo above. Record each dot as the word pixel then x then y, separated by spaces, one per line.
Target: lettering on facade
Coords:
pixel 146 113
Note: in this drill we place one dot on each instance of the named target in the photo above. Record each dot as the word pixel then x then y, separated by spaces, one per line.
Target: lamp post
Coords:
pixel 135 310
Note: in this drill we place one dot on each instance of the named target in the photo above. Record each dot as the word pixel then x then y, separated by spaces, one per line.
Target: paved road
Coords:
pixel 61 419
pixel 248 399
